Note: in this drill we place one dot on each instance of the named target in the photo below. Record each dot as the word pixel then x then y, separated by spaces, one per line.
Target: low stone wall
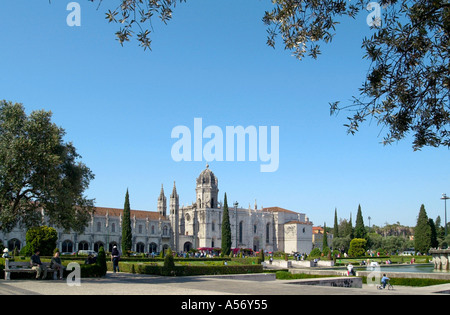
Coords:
pixel 249 277
pixel 298 263
pixel 312 271
pixel 340 282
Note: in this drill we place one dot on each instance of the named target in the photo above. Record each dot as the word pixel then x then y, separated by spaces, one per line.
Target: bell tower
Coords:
pixel 207 189
pixel 174 208
pixel 162 207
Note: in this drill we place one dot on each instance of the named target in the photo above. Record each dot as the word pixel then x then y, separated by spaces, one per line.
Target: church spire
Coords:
pixel 162 207
pixel 174 191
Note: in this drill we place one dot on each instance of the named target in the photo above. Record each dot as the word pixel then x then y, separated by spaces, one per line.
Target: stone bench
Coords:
pixel 24 267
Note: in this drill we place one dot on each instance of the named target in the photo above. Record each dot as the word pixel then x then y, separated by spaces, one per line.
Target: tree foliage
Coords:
pixel 226 229
pixel 422 232
pixel 357 247
pixel 101 261
pixel 336 225
pixel 126 226
pixel 42 238
pixel 360 229
pixel 39 170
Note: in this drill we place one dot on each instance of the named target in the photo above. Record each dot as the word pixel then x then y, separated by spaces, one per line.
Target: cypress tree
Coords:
pixel 101 261
pixel 348 228
pixel 434 239
pixel 126 226
pixel 226 229
pixel 360 230
pixel 422 232
pixel 336 224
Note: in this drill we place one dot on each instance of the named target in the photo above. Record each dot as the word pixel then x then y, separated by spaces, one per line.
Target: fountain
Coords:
pixel 440 258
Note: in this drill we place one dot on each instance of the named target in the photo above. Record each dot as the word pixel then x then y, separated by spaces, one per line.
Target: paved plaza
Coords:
pixel 135 284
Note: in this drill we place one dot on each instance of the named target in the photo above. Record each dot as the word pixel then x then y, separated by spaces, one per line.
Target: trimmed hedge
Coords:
pixel 150 269
pixel 413 282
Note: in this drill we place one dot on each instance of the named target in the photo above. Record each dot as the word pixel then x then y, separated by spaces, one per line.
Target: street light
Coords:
pixel 444 197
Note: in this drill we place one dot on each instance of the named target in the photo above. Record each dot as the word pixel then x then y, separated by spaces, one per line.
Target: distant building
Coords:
pixel 317 237
pixel 183 228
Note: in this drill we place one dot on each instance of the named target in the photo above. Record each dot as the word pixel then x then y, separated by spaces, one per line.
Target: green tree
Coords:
pixel 336 224
pixel 226 229
pixel 43 238
pixel 346 228
pixel 407 84
pixel 357 247
pixel 434 240
pixel 360 230
pixel 101 261
pixel 39 170
pixel 341 243
pixel 422 232
pixel 126 226
pixel 169 262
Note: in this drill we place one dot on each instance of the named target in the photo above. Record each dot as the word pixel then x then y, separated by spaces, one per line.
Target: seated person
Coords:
pixel 37 265
pixel 57 265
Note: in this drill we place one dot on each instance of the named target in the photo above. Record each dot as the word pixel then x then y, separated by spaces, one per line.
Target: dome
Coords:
pixel 207 177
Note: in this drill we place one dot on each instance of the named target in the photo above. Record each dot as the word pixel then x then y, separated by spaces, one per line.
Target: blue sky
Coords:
pixel 119 105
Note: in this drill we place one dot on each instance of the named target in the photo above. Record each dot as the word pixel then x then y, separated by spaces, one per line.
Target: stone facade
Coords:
pixel 183 228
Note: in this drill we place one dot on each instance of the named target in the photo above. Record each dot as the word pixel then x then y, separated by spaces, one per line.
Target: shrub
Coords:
pixel 101 261
pixel 357 247
pixel 168 260
pixel 315 253
pixel 43 238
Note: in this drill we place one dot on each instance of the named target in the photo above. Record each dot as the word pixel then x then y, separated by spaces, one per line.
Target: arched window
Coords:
pixel 140 228
pixel 140 247
pixel 99 227
pixel 67 246
pixel 268 233
pixel 83 245
pixel 153 248
pixel 98 245
pixel 113 228
pixel 187 246
pixel 165 230
pixel 153 229
pixel 13 244
pixel 213 226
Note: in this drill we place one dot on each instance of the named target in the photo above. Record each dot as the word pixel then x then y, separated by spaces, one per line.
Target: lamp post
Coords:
pixel 444 197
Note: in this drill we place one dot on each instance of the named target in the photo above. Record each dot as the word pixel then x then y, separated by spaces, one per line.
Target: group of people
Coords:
pixel 41 269
pixel 56 264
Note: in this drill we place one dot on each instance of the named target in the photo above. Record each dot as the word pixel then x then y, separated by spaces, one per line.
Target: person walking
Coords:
pixel 115 259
